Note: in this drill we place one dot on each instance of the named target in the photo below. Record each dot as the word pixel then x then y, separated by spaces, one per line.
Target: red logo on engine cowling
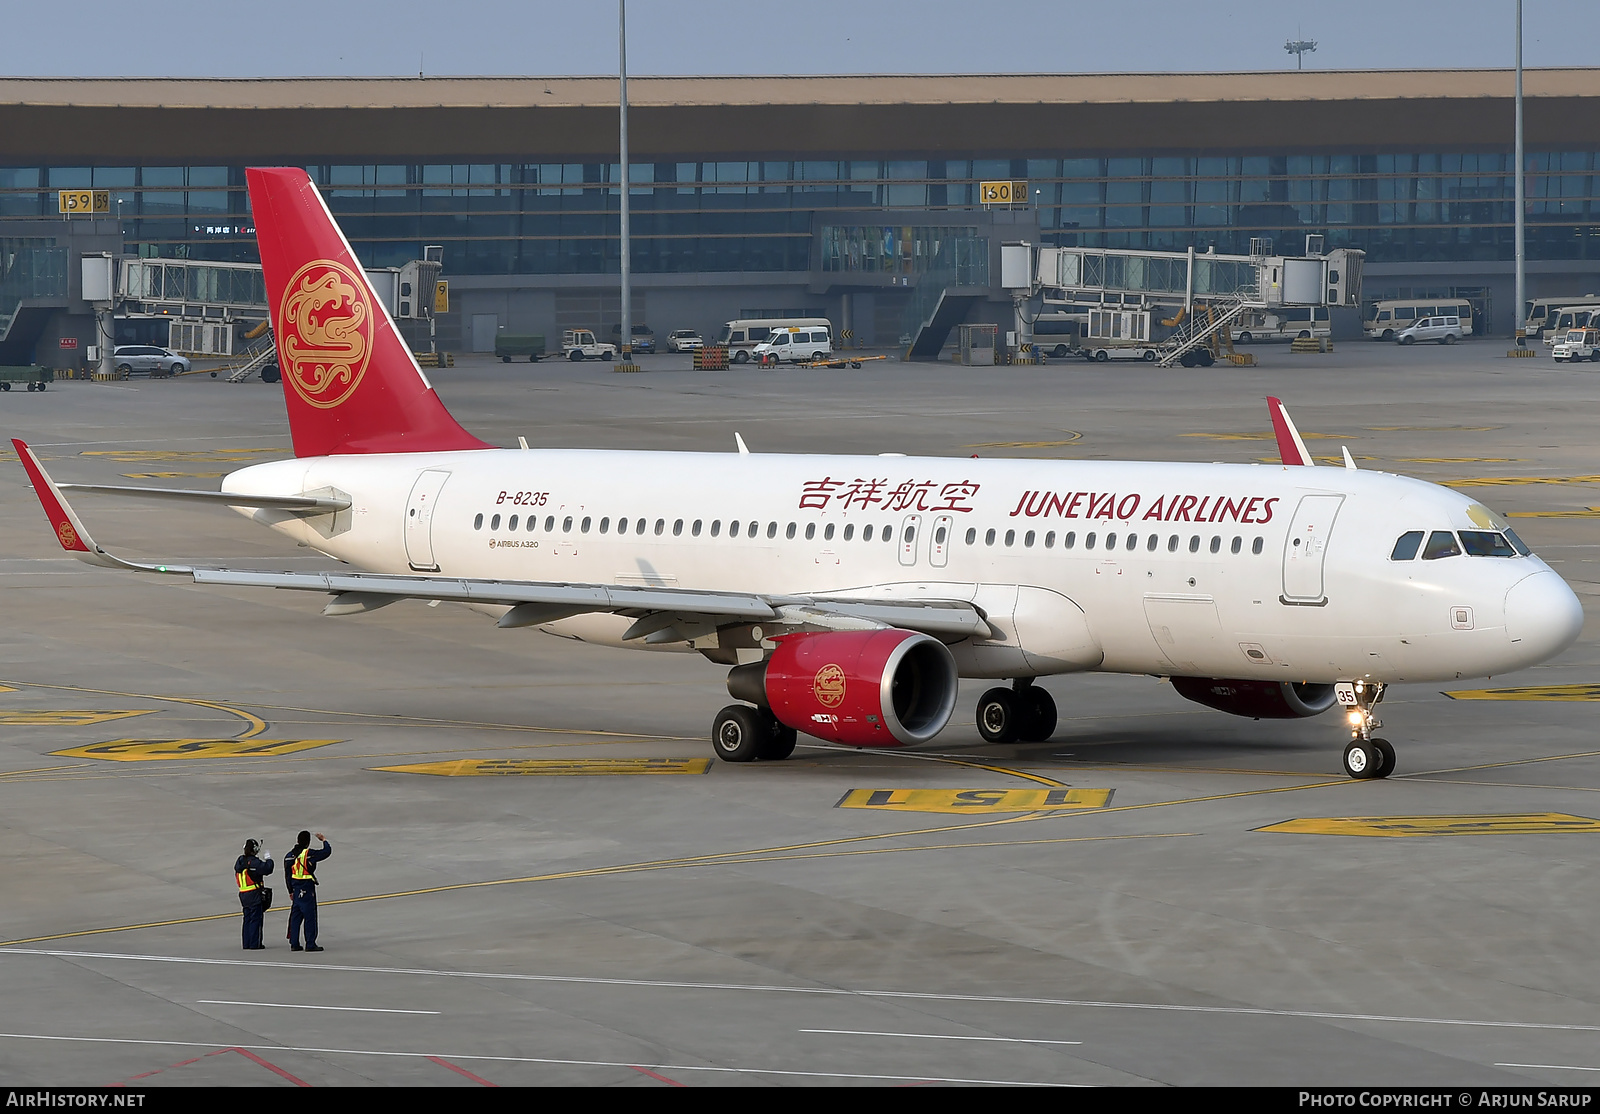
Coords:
pixel 828 686
pixel 325 332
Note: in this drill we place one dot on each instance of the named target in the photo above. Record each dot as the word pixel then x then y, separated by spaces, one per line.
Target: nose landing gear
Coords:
pixel 1365 757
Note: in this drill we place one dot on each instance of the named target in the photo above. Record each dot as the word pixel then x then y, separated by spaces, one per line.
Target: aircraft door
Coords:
pixel 939 542
pixel 419 520
pixel 1305 549
pixel 909 529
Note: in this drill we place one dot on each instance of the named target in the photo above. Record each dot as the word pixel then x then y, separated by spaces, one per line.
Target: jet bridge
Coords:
pixel 1074 281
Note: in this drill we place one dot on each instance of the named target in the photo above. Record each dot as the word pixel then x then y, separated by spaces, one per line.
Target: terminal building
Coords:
pixel 758 196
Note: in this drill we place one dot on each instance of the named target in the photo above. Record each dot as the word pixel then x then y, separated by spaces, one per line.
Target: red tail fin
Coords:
pixel 350 382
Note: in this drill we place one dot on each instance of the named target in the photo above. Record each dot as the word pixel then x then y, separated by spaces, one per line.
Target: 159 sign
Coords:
pixel 83 201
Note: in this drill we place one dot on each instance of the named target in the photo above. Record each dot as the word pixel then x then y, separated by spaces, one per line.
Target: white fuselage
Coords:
pixel 1244 571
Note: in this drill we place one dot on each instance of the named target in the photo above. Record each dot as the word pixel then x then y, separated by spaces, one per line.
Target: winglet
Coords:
pixel 1291 449
pixel 744 450
pixel 1349 461
pixel 64 522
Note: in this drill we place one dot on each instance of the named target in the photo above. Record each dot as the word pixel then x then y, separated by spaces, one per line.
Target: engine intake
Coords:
pixel 880 688
pixel 1257 699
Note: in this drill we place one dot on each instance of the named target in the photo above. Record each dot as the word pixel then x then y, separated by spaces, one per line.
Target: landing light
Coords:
pixel 1355 719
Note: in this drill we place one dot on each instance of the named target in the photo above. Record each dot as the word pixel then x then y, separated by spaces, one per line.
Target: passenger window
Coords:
pixel 1172 544
pixel 511 524
pixel 677 528
pixel 549 523
pixel 972 535
pixel 1050 540
pixel 695 529
pixel 494 523
pixel 1194 543
pixel 849 531
pixel 661 525
pixel 1111 541
pixel 1152 543
pixel 1133 542
pixel 827 532
pixel 1088 540
pixel 911 534
pixel 583 526
pixel 716 527
pixel 532 522
pixel 1441 543
pixel 477 523
pixel 733 529
pixel 1255 546
pixel 1027 539
pixel 772 529
pixel 789 533
pixel 1070 539
pixel 1486 543
pixel 605 525
pixel 1216 544
pixel 888 533
pixel 866 533
pixel 622 526
pixel 938 535
pixel 988 538
pixel 811 530
pixel 1011 537
pixel 566 525
pixel 1238 544
pixel 750 531
pixel 1406 546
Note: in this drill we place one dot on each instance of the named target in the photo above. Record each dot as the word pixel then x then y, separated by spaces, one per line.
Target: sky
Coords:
pixel 360 38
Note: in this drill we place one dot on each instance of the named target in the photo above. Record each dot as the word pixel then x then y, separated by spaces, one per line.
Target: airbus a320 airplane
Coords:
pixel 849 593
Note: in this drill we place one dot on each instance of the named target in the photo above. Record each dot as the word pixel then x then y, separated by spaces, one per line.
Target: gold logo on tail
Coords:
pixel 325 332
pixel 68 536
pixel 828 686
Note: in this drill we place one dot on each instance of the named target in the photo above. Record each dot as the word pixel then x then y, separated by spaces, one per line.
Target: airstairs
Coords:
pixel 259 358
pixel 1207 325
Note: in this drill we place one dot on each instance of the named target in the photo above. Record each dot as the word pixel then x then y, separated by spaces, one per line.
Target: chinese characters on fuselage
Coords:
pixel 908 495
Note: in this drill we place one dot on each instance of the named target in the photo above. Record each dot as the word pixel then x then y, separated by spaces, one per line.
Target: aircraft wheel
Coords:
pixel 999 716
pixel 739 733
pixel 1386 759
pixel 780 743
pixel 1041 714
pixel 1361 760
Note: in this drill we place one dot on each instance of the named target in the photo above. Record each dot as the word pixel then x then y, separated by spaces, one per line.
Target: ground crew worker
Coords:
pixel 303 890
pixel 248 872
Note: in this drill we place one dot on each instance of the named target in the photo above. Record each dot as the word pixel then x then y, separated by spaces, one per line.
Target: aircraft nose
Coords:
pixel 1543 616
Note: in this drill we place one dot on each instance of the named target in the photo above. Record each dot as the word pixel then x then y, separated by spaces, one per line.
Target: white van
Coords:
pixel 795 344
pixel 1445 330
pixel 739 337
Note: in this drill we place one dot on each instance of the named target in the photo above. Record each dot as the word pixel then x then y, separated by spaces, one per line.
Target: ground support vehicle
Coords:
pixel 1577 345
pixel 1100 353
pixel 579 344
pixel 740 337
pixel 33 378
pixel 794 344
pixel 531 345
pixel 158 362
pixel 1445 330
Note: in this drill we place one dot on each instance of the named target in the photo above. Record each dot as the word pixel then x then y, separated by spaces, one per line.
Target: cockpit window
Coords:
pixel 1518 544
pixel 1405 549
pixel 1441 543
pixel 1486 543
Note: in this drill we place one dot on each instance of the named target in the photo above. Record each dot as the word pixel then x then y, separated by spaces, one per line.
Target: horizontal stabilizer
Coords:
pixel 319 504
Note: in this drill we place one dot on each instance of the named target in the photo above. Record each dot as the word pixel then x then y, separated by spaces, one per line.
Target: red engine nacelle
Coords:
pixel 1257 699
pixel 878 688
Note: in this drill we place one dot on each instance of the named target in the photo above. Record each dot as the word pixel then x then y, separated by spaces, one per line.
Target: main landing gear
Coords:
pixel 1366 756
pixel 1024 712
pixel 741 733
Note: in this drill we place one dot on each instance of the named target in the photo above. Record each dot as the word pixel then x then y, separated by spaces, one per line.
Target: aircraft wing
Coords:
pixel 662 614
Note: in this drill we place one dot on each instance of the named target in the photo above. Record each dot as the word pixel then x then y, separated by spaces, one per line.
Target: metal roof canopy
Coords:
pixel 155 120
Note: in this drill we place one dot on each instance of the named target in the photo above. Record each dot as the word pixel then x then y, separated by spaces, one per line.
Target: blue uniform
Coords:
pixel 248 871
pixel 303 893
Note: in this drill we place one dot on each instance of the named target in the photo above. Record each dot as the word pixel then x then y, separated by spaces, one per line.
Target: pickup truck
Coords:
pixel 579 344
pixel 507 345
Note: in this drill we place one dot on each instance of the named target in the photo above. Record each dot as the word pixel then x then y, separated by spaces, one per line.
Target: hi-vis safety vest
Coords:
pixel 247 883
pixel 300 867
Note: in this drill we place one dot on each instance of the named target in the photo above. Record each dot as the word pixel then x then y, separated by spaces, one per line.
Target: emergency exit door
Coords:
pixel 1305 549
pixel 420 508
